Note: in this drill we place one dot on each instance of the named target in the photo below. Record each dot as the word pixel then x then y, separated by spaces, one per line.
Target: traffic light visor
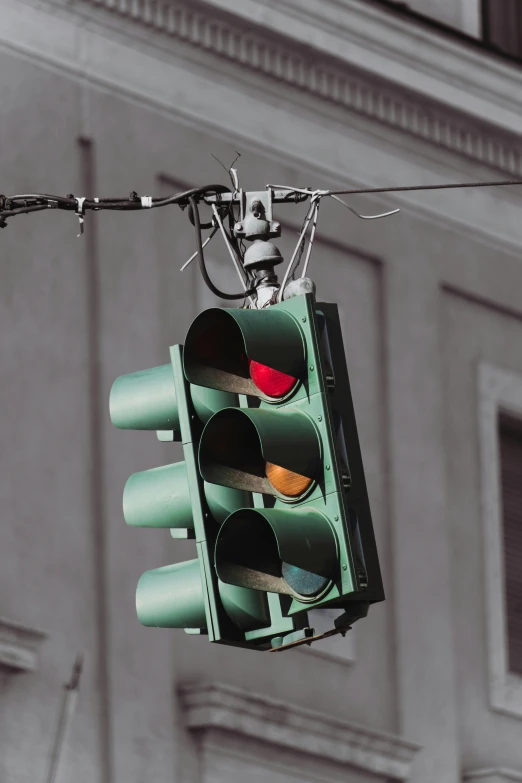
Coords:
pixel 260 450
pixel 278 551
pixel 256 352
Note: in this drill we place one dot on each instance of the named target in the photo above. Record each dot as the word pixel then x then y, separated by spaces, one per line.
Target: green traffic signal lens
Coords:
pixel 303 583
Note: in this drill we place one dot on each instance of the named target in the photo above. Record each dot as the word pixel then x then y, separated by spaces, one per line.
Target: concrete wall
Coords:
pixel 451 12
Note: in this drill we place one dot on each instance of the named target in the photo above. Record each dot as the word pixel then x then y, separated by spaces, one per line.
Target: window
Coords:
pixel 502 25
pixel 500 438
pixel 510 443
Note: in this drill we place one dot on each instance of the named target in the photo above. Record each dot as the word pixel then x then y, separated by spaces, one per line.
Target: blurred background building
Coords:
pixel 101 97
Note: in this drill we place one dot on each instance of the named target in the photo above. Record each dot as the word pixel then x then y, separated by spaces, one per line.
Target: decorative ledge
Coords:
pixel 500 775
pixel 19 646
pixel 225 708
pixel 411 105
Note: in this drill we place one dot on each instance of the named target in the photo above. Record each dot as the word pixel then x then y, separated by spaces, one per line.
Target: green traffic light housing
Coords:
pixel 272 486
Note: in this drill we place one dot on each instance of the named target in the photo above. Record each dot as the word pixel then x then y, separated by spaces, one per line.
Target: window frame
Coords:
pixel 499 391
pixel 486 33
pixel 472 17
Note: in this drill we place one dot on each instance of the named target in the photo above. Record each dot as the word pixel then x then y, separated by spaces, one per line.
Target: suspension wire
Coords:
pixel 363 217
pixel 425 187
pixel 205 243
pixel 233 256
pixel 201 259
pixel 307 219
pixel 9 205
pixel 312 235
pixel 26 203
pixel 322 193
pixel 301 244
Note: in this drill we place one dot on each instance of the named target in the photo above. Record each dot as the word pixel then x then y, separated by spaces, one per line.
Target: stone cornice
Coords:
pixel 19 645
pixel 359 57
pixel 393 47
pixel 224 708
pixel 499 775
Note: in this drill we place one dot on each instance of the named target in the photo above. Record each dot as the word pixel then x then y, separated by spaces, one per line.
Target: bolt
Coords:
pixel 319 418
pixel 239 227
pixel 336 518
pixel 344 566
pixel 328 467
pixel 311 368
pixel 303 319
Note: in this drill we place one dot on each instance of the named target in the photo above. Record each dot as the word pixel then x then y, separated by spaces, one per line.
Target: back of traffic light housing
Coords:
pixel 186 595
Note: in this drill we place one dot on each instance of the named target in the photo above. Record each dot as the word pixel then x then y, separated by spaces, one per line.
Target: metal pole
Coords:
pixel 69 698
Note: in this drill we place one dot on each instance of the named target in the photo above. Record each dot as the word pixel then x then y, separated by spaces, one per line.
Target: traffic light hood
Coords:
pixel 220 343
pixel 278 551
pixel 237 444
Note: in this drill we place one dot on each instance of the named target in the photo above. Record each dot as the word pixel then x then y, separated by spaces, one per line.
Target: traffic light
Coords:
pixel 272 487
pixel 293 445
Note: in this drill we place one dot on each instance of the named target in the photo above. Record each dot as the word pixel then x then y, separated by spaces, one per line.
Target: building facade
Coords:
pixel 103 97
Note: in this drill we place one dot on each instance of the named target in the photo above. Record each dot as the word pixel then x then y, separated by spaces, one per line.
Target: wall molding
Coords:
pixel 19 646
pixel 499 775
pixel 217 707
pixel 306 69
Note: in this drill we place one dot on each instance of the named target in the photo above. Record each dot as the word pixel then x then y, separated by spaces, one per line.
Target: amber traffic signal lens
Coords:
pixel 286 482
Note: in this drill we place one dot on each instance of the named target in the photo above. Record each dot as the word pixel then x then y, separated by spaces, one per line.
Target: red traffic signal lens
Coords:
pixel 271 382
